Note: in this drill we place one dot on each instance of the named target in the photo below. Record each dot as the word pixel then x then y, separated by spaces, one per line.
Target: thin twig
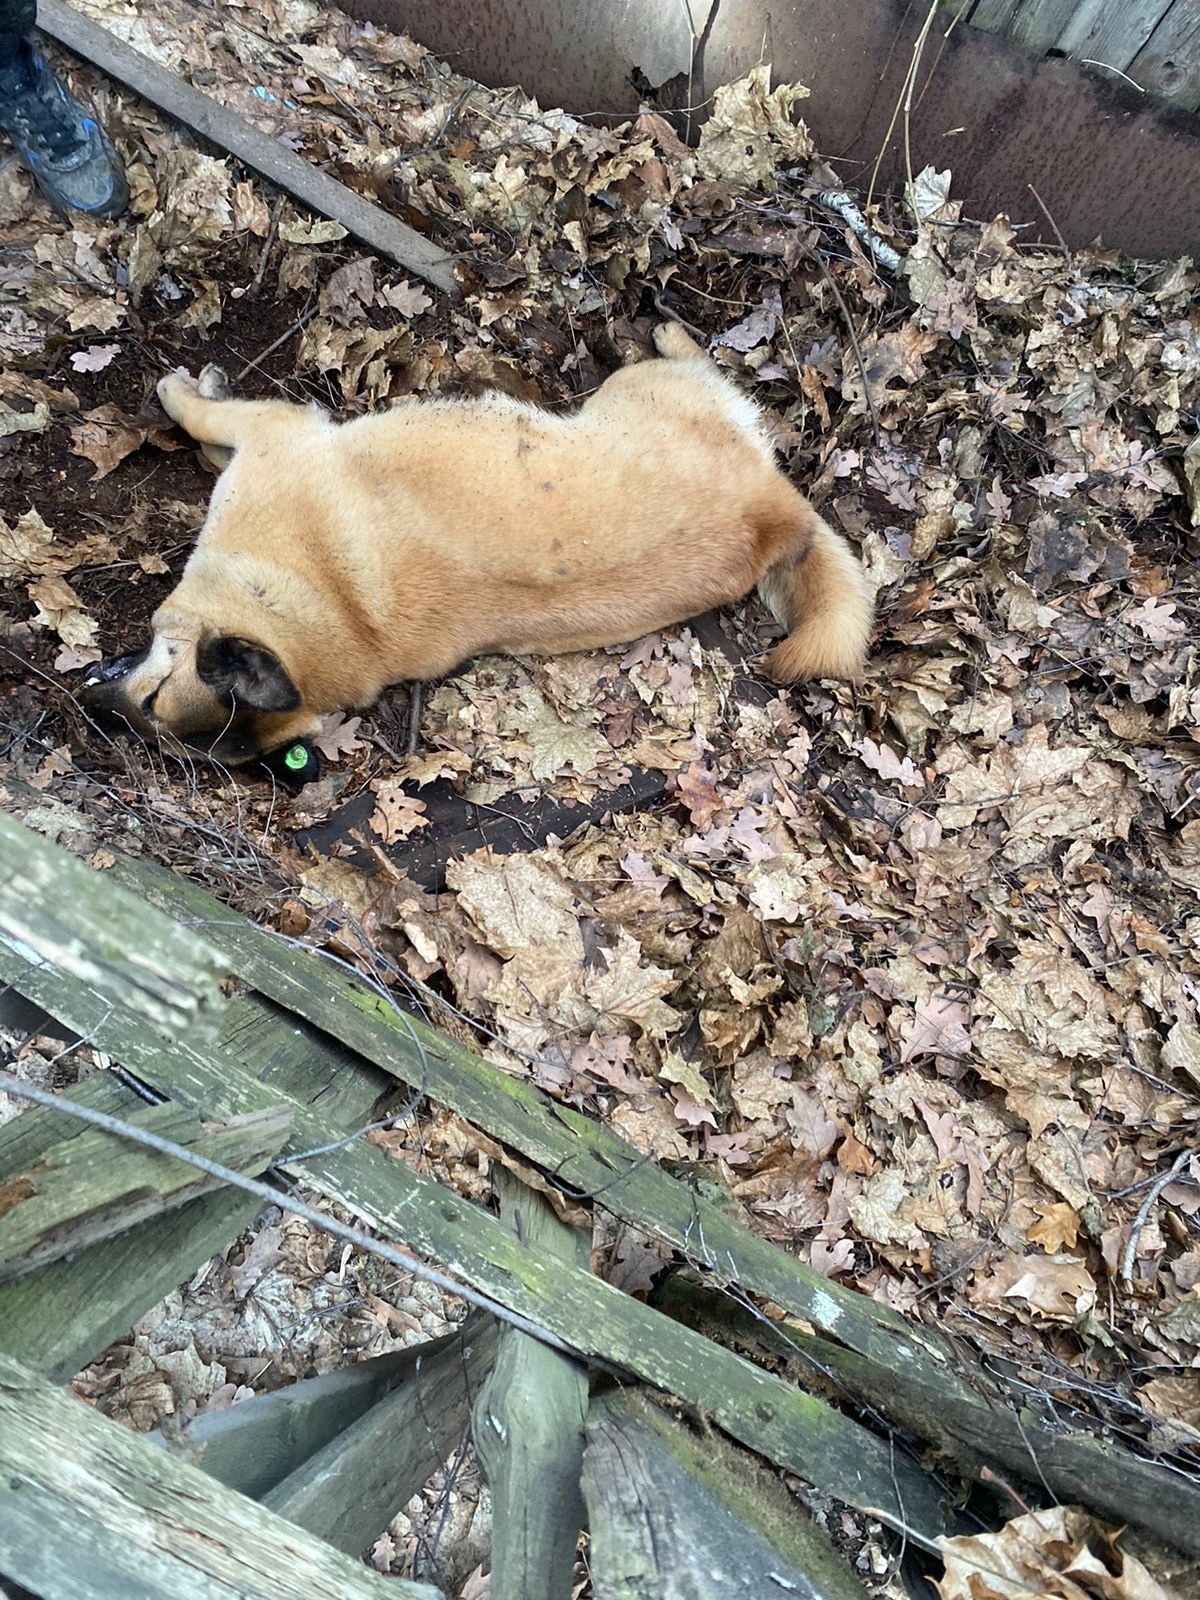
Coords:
pixel 842 202
pixel 1147 1206
pixel 304 318
pixel 858 355
pixel 1046 213
pixel 664 310
pixel 414 716
pixel 256 281
pixel 904 98
pixel 264 1191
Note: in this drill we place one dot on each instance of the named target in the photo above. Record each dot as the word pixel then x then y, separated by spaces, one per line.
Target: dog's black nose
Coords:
pixel 109 671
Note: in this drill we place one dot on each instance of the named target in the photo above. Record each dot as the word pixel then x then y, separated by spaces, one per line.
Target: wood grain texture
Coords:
pixel 592 1318
pixel 89 1508
pixel 1111 31
pixel 348 1491
pixel 54 910
pixel 94 1185
pixel 1168 64
pixel 677 1516
pixel 528 1427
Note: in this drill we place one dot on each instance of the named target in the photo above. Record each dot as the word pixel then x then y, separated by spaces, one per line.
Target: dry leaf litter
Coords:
pixel 909 969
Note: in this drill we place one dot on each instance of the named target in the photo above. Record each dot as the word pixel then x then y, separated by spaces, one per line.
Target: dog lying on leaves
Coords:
pixel 338 559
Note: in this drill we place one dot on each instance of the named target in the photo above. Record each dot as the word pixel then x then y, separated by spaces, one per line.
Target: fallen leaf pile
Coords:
pixel 911 965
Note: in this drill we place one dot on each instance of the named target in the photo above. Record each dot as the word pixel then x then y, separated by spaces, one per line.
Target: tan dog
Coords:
pixel 338 559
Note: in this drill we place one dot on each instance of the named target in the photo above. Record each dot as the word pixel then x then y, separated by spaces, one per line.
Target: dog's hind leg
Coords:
pixel 817 589
pixel 213 419
pixel 677 344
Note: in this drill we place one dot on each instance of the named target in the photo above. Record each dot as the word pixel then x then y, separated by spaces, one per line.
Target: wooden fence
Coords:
pixel 266 1061
pixel 1155 44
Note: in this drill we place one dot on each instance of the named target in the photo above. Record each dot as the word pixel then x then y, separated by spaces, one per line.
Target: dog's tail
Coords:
pixel 818 591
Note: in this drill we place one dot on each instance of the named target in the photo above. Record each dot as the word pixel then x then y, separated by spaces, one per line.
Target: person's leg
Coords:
pixel 16 19
pixel 64 147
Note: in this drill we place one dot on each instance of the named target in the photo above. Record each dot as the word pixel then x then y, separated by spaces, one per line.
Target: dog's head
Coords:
pixel 229 697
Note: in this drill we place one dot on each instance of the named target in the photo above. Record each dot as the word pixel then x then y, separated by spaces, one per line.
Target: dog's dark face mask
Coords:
pixel 227 698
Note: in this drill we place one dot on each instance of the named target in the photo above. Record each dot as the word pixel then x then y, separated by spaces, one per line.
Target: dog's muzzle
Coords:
pixel 107 672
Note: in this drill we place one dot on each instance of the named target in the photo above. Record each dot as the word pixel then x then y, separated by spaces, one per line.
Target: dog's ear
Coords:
pixel 248 672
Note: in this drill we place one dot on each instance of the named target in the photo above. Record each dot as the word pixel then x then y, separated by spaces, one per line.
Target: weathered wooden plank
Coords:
pixel 266 156
pixel 994 16
pixel 59 1319
pixel 89 1508
pixel 674 1516
pixel 528 1427
pixel 1097 1475
pixel 1080 1466
pixel 350 1490
pixel 253 1446
pixel 94 1185
pixel 1111 31
pixel 457 826
pixel 62 1316
pixel 25 1138
pixel 585 1158
pixel 1168 64
pixel 592 1318
pixel 1039 23
pixel 53 909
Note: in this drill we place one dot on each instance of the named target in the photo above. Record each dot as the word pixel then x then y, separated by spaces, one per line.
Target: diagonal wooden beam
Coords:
pixel 371 224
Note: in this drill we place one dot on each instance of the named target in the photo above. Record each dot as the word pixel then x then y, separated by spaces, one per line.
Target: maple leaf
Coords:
pixel 998 503
pixel 629 989
pixel 517 902
pixel 556 745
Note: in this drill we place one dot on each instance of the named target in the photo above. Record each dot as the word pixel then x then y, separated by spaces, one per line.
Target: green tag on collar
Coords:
pixel 296 758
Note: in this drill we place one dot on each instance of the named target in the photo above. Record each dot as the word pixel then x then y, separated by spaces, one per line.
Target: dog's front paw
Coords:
pixel 175 390
pixel 214 385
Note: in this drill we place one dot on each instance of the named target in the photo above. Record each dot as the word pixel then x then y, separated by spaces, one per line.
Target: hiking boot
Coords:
pixel 69 154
